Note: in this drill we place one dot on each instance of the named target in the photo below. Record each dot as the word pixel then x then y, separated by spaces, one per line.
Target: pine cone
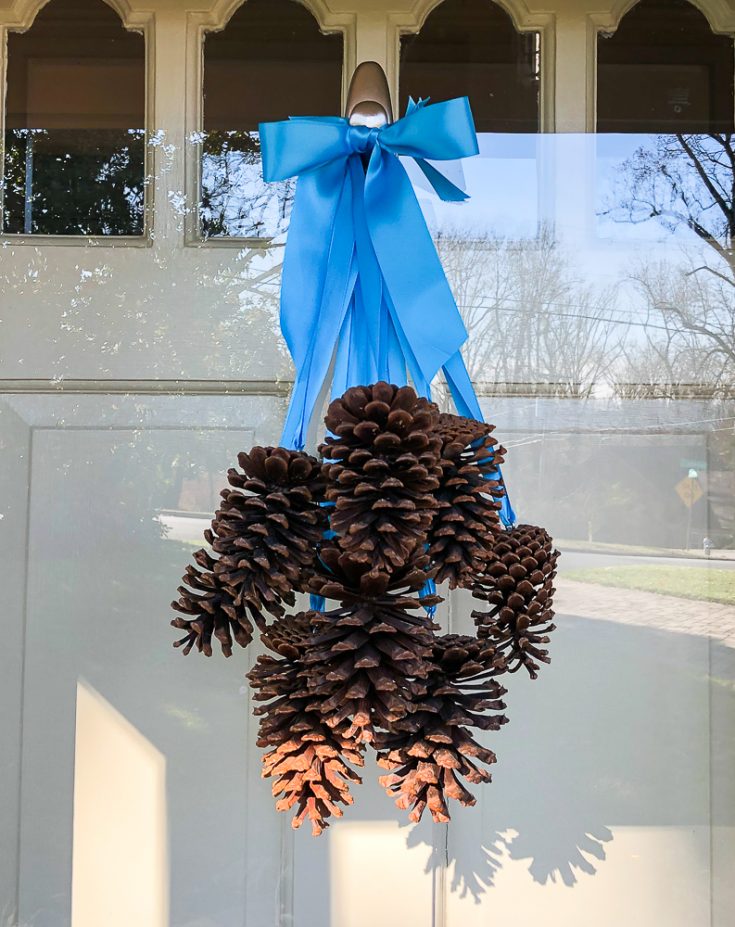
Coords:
pixel 518 583
pixel 266 540
pixel 458 428
pixel 307 759
pixel 467 522
pixel 384 473
pixel 430 750
pixel 268 534
pixel 214 612
pixel 290 636
pixel 369 656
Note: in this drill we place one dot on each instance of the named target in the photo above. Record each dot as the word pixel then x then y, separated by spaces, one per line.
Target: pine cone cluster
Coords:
pixel 310 761
pixel 467 520
pixel 383 472
pixel 265 534
pixel 403 496
pixel 518 583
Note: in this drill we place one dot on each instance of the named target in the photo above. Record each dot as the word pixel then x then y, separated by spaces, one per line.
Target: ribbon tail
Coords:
pixel 369 290
pixel 319 237
pixel 421 383
pixel 467 404
pixel 414 277
pixel 356 361
pixel 312 374
pixel 461 388
pixel 429 588
pixel 319 274
pixel 391 360
pixel 443 186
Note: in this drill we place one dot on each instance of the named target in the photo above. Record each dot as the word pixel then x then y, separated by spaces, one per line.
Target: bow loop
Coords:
pixel 440 132
pixel 296 146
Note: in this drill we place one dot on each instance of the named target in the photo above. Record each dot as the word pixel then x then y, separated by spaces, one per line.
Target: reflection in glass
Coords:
pixel 504 183
pixel 236 202
pixel 281 64
pixel 75 115
pixel 606 398
pixel 664 70
pixel 472 48
pixel 119 820
pixel 679 187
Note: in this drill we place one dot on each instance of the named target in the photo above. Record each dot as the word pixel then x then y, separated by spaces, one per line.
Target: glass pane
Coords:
pixel 508 192
pixel 664 70
pixel 282 65
pixel 601 347
pixel 471 48
pixel 667 188
pixel 75 135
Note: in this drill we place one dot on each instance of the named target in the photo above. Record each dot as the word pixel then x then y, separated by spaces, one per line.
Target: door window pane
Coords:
pixel 472 48
pixel 270 62
pixel 75 124
pixel 664 70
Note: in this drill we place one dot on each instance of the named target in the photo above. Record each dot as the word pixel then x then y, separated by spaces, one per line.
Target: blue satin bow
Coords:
pixel 361 274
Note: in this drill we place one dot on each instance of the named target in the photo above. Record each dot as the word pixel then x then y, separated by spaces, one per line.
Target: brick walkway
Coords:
pixel 631 606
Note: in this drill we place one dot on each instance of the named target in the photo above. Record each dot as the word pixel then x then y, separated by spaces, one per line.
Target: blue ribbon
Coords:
pixel 362 284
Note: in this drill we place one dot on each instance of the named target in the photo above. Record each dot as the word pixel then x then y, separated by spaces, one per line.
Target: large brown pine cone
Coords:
pixel 430 751
pixel 467 520
pixel 370 655
pixel 209 609
pixel 518 583
pixel 268 532
pixel 264 535
pixel 307 759
pixel 383 469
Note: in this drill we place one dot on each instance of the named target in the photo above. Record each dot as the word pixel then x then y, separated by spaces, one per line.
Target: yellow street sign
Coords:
pixel 689 491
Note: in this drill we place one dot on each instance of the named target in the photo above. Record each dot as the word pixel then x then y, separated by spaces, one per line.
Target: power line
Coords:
pixel 552 302
pixel 627 314
pixel 575 315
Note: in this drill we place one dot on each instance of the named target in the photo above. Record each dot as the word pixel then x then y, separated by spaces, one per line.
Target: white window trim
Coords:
pixel 524 20
pixel 718 13
pixel 198 24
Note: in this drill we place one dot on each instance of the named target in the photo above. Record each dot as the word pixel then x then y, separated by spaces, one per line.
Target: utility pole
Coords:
pixel 692 478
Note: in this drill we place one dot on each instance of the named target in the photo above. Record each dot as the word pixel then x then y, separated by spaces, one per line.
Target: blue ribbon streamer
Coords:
pixel 362 282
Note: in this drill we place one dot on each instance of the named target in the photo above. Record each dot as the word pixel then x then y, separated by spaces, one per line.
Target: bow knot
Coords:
pixel 362 139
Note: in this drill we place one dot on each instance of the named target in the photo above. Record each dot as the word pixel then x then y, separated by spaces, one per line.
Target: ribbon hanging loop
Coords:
pixel 362 281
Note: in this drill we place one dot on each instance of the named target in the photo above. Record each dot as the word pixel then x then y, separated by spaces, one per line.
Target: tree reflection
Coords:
pixel 74 181
pixel 685 183
pixel 531 317
pixel 235 200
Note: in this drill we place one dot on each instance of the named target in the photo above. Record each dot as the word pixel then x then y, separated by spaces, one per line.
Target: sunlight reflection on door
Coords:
pixel 375 879
pixel 120 866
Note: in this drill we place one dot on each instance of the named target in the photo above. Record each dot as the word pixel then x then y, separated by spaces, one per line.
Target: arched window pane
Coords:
pixel 664 70
pixel 75 124
pixel 471 48
pixel 270 62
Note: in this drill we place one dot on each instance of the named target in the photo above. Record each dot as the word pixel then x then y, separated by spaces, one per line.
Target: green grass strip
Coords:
pixel 701 583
